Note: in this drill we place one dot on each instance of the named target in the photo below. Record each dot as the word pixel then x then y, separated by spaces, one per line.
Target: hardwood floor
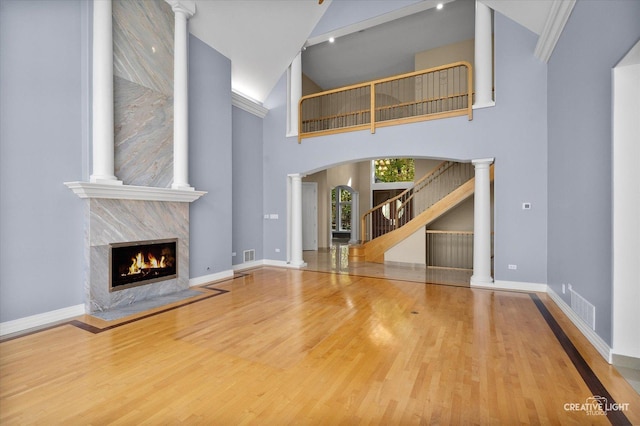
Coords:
pixel 335 259
pixel 290 346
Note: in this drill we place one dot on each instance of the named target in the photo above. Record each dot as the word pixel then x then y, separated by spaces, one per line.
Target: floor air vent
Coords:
pixel 585 310
pixel 249 255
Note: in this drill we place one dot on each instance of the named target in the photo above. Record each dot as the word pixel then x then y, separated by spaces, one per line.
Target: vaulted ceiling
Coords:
pixel 261 37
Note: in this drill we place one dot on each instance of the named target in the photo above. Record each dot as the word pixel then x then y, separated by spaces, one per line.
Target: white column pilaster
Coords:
pixel 483 58
pixel 183 11
pixel 294 92
pixel 482 224
pixel 102 139
pixel 296 221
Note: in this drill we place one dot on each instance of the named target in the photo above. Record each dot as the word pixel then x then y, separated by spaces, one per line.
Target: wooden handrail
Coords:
pixel 417 184
pixel 373 109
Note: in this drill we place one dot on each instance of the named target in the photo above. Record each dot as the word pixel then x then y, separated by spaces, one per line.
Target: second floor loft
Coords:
pixel 439 92
pixel 444 73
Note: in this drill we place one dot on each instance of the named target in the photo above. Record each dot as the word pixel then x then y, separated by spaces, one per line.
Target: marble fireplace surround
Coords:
pixel 117 211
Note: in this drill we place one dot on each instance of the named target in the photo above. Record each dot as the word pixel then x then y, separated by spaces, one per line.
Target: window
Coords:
pixel 394 170
pixel 341 198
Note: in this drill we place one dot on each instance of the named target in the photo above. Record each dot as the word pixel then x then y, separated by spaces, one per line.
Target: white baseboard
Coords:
pixel 282 264
pixel 514 286
pixel 210 278
pixel 593 338
pixel 265 262
pixel 38 320
pixel 248 265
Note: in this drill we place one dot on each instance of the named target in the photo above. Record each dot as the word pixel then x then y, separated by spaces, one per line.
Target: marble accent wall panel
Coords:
pixel 114 221
pixel 143 43
pixel 143 33
pixel 143 135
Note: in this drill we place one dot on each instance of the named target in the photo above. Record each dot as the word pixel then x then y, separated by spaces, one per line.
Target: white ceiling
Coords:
pixel 261 37
pixel 388 48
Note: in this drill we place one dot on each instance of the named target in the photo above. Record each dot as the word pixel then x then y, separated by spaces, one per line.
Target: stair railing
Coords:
pixel 440 92
pixel 392 214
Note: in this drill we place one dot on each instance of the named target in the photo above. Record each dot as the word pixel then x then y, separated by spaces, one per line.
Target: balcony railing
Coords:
pixel 440 92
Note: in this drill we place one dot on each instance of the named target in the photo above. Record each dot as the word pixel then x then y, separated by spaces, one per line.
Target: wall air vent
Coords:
pixel 585 310
pixel 249 255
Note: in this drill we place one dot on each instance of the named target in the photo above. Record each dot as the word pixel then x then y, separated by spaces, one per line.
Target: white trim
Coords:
pixel 248 265
pixel 188 7
pixel 266 262
pixel 513 286
pixel 553 26
pixel 205 279
pixel 131 192
pixel 593 338
pixel 248 105
pixel 381 19
pixel 487 104
pixel 38 320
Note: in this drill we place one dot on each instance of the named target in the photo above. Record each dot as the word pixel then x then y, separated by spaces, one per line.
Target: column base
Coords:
pixel 483 104
pixel 481 281
pixel 182 186
pixel 106 180
pixel 298 263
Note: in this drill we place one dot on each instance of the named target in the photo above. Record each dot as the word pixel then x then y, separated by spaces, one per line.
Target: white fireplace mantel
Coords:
pixel 132 192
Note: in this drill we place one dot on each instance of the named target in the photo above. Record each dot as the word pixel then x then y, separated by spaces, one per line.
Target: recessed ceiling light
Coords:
pixel 439 6
pixel 331 39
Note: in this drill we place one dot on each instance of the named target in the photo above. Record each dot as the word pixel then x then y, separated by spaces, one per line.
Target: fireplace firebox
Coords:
pixel 142 262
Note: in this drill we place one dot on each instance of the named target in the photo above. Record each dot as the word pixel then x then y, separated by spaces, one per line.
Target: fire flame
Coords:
pixel 138 263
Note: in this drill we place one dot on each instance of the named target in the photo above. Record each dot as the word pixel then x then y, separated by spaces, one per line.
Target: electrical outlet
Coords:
pixel 526 206
pixel 513 267
pixel 564 288
pixel 277 250
pixel 569 287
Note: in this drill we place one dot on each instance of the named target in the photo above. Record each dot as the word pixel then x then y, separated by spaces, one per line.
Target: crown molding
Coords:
pixel 249 105
pixel 131 192
pixel 556 20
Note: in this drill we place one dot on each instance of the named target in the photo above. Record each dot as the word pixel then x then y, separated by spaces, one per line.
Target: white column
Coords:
pixel 296 221
pixel 482 224
pixel 483 58
pixel 102 139
pixel 294 93
pixel 181 95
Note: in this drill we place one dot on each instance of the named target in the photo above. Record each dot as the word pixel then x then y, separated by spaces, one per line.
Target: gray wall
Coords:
pixel 579 114
pixel 44 110
pixel 514 132
pixel 41 146
pixel 247 184
pixel 210 217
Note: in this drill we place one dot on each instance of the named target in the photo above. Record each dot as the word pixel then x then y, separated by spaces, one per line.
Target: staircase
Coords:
pixel 392 221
